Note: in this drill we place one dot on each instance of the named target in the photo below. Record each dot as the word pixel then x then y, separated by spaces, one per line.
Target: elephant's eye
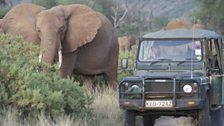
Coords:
pixel 61 29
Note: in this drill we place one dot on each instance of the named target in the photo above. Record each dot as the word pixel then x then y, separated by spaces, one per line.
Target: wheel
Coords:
pixel 204 114
pixel 148 120
pixel 129 118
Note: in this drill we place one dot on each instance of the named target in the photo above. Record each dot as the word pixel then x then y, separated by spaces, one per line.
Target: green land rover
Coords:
pixel 177 72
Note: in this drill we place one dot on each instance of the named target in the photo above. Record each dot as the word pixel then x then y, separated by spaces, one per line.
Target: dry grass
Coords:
pixel 106 110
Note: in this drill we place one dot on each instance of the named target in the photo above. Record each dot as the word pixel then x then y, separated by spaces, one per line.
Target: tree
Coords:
pixel 6 3
pixel 73 2
pixel 159 22
pixel 210 12
pixel 116 19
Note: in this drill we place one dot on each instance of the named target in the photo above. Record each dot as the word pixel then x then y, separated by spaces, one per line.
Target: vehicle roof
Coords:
pixel 182 33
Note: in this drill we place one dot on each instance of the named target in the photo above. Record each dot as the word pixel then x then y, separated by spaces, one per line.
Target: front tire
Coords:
pixel 129 118
pixel 204 114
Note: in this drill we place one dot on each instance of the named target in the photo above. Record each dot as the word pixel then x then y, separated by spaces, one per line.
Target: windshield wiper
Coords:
pixel 186 61
pixel 158 60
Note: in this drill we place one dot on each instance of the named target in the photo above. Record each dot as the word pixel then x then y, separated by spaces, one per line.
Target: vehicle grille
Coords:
pixel 161 86
pixel 155 89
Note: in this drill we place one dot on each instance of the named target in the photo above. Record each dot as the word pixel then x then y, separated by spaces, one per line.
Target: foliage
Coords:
pixel 210 12
pixel 33 88
pixel 3 11
pixel 129 29
pixel 99 5
pixel 159 22
pixel 105 7
pixel 131 58
pixel 45 3
pixel 106 113
pixel 72 2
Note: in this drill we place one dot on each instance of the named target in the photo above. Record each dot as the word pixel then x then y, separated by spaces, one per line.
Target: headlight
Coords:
pixel 187 88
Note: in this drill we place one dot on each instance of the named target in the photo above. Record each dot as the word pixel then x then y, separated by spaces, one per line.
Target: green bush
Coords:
pixel 159 22
pixel 129 29
pixel 3 11
pixel 33 88
pixel 52 3
pixel 72 2
pixel 45 3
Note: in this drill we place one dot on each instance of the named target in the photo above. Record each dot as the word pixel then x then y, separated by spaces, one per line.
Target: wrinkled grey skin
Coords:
pixel 86 38
pixel 88 48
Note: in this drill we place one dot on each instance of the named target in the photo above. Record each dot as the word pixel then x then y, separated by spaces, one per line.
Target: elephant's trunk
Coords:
pixel 49 51
pixel 59 58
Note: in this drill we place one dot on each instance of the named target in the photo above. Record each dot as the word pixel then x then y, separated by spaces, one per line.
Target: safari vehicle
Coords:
pixel 177 72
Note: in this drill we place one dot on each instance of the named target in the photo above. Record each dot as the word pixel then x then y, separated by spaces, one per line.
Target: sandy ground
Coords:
pixel 172 121
pixel 169 121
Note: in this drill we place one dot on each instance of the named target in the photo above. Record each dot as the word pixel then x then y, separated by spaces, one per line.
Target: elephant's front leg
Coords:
pixel 87 82
pixel 68 64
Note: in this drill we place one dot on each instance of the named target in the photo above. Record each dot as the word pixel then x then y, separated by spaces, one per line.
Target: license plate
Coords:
pixel 159 103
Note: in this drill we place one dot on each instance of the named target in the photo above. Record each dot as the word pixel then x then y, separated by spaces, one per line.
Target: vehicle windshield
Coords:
pixel 170 50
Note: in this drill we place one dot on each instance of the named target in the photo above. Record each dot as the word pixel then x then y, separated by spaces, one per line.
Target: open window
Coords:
pixel 213 56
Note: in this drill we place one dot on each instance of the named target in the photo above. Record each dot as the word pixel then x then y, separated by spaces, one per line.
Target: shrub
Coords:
pixel 30 90
pixel 45 3
pixel 159 22
pixel 3 11
pixel 72 1
pixel 129 29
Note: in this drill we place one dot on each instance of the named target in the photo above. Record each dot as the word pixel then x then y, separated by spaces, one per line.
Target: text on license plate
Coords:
pixel 159 103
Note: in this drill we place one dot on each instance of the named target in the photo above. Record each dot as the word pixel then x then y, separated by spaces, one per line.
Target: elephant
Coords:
pixel 126 43
pixel 178 23
pixel 84 40
pixel 20 20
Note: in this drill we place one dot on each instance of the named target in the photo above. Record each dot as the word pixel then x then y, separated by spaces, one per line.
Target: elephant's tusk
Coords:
pixel 60 58
pixel 40 57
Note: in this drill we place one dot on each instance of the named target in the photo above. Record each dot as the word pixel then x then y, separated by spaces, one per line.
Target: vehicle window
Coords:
pixel 175 50
pixel 213 59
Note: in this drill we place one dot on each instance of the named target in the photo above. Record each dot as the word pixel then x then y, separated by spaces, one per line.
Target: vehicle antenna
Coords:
pixel 193 36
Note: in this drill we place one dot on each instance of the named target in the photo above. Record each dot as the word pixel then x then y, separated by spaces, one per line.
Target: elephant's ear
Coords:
pixel 82 29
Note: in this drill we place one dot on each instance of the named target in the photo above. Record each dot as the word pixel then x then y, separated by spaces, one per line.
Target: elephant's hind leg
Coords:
pixel 111 80
pixel 111 72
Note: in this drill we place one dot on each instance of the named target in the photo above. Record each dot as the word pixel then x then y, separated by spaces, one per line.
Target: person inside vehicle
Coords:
pixel 153 53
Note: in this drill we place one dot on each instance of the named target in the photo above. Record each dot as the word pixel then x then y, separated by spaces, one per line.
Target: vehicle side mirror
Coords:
pixel 124 63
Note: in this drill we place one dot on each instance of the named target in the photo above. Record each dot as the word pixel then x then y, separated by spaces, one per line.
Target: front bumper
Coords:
pixel 180 104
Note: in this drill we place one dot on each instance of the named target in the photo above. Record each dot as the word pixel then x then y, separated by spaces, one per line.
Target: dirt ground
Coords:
pixel 169 121
pixel 172 121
